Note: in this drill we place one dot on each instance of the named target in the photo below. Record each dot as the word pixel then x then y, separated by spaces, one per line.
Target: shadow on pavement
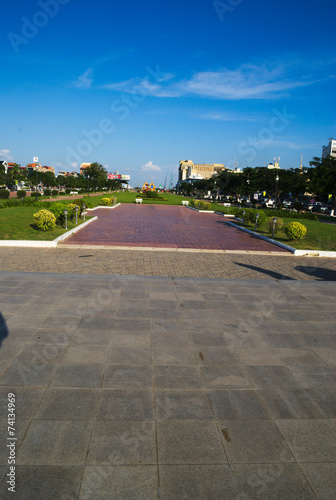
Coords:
pixel 3 329
pixel 318 272
pixel 273 274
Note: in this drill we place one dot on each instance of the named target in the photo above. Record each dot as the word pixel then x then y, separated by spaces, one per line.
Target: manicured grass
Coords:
pixel 129 197
pixel 320 236
pixel 17 224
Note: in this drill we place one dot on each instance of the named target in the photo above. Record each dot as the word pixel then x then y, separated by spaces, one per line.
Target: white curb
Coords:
pixel 74 230
pixel 294 251
pixel 44 244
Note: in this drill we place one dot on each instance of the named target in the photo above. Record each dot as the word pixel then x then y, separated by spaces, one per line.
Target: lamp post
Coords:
pixel 249 195
pixel 84 207
pixel 36 182
pixel 66 218
pixel 274 222
pixel 256 224
pixel 76 210
pixel 88 184
pixel 276 191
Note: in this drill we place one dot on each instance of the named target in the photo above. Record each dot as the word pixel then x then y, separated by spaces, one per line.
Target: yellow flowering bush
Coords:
pixel 295 230
pixel 44 220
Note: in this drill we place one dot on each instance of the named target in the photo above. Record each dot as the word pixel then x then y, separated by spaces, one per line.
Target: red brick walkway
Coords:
pixel 165 227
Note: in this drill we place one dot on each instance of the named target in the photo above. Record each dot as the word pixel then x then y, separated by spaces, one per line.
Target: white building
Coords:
pixel 329 150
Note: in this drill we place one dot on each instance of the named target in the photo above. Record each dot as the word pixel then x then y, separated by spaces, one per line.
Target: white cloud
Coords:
pixel 246 82
pixel 5 154
pixel 264 81
pixel 84 81
pixel 150 167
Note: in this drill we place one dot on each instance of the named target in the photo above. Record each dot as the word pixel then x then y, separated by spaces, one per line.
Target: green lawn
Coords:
pixel 129 197
pixel 17 224
pixel 320 236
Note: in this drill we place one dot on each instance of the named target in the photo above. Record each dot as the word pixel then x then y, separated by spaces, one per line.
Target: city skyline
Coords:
pixel 140 87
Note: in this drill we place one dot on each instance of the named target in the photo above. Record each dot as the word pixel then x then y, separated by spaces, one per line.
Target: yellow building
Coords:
pixel 189 170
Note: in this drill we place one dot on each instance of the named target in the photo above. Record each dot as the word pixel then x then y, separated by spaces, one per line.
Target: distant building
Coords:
pixel 39 168
pixel 275 165
pixel 329 150
pixel 188 170
pixel 83 167
pixel 67 174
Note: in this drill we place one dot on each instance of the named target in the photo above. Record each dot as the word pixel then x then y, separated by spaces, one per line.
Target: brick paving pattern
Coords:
pixel 165 227
pixel 166 263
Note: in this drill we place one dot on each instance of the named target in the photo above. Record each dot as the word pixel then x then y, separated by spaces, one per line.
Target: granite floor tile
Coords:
pixel 272 377
pixel 237 404
pixel 128 377
pixel 290 404
pixel 54 442
pixel 310 440
pixel 82 354
pixel 129 355
pixel 198 482
pixel 189 442
pixel 68 404
pixel 125 405
pixel 41 481
pixel 125 482
pixel 253 441
pixel 76 375
pixel 122 443
pixel 314 376
pixel 225 377
pixel 176 377
pixel 182 405
pixel 322 478
pixel 325 397
pixel 271 481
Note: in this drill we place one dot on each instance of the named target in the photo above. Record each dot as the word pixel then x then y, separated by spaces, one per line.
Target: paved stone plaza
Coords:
pixel 166 227
pixel 165 374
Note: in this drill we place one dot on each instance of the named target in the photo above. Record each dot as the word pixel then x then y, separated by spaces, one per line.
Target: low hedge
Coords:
pixel 4 194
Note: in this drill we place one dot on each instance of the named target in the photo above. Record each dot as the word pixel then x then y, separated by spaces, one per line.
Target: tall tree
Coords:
pixel 96 175
pixel 323 178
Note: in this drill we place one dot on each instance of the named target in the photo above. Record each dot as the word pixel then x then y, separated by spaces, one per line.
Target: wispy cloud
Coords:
pixel 264 81
pixel 84 81
pixel 150 167
pixel 228 117
pixel 5 154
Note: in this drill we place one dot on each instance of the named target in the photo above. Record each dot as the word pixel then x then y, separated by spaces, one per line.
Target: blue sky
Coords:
pixel 138 86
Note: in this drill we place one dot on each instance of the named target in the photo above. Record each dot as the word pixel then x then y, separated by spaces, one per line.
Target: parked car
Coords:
pixel 318 206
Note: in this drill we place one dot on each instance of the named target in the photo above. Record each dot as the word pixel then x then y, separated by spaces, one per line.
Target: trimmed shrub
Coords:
pixel 44 220
pixel 54 192
pixel 62 193
pixel 204 205
pixel 57 209
pixel 278 225
pixel 21 193
pixel 34 194
pixel 47 192
pixel 67 191
pixel 295 230
pixel 250 216
pixel 4 194
pixel 82 201
pixel 105 202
